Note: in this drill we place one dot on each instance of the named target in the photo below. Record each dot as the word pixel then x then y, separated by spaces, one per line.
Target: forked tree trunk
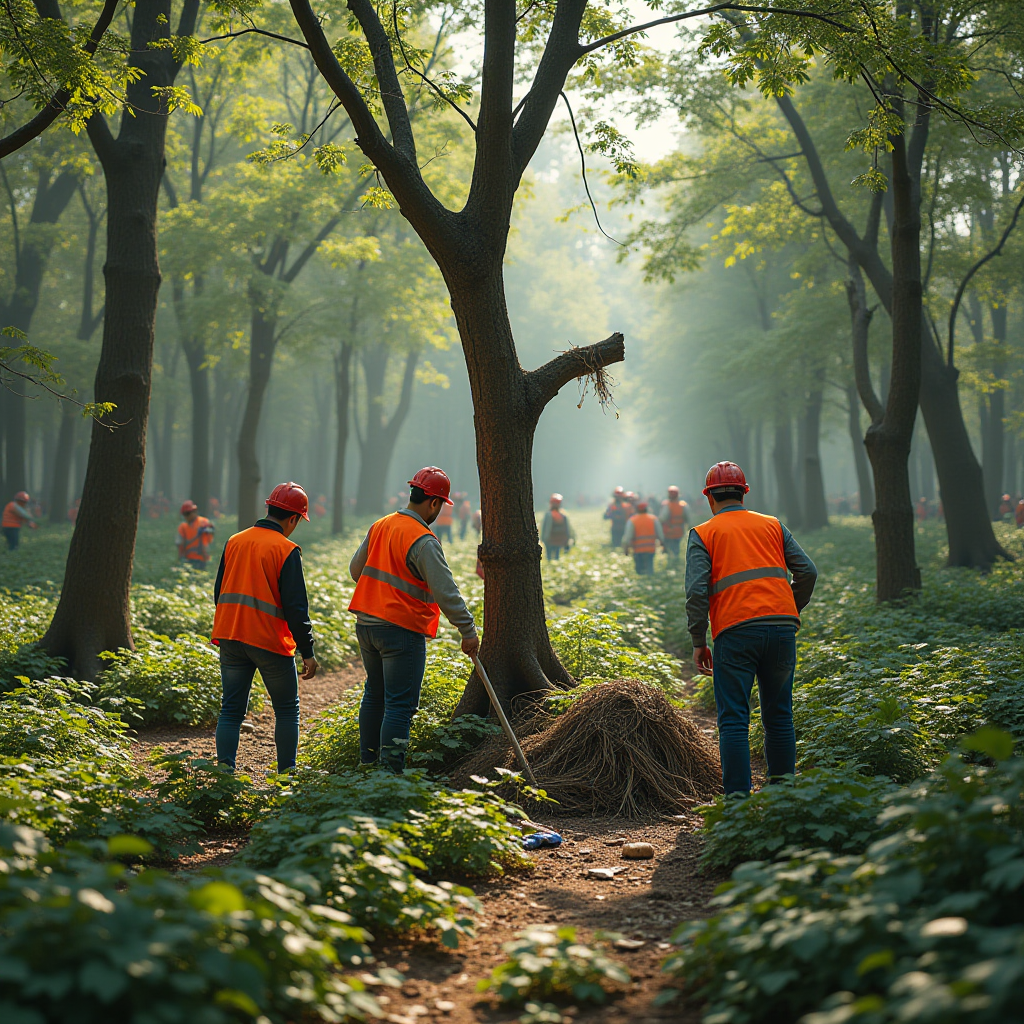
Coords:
pixel 342 394
pixel 263 340
pixel 815 504
pixel 865 485
pixel 93 612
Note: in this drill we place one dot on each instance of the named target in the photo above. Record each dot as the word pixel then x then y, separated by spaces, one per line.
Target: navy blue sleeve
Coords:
pixel 292 585
pixel 805 575
pixel 220 577
pixel 698 589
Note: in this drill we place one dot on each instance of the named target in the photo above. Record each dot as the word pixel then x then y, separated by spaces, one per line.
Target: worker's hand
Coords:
pixel 309 667
pixel 471 646
pixel 703 660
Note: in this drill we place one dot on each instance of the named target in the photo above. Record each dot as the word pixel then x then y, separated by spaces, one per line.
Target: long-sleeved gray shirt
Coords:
pixel 426 562
pixel 548 524
pixel 630 533
pixel 698 582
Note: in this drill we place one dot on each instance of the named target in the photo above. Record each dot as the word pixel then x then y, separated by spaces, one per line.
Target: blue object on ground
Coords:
pixel 538 840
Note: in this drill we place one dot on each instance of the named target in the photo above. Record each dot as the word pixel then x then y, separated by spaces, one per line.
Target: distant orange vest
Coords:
pixel 748 568
pixel 559 536
pixel 673 529
pixel 444 517
pixel 387 588
pixel 197 545
pixel 645 536
pixel 249 607
pixel 11 518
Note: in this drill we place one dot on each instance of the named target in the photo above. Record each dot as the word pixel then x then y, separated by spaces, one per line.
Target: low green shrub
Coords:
pixel 186 606
pixel 470 832
pixel 928 924
pixel 209 792
pixel 84 940
pixel 23 621
pixel 176 682
pixel 545 963
pixel 821 807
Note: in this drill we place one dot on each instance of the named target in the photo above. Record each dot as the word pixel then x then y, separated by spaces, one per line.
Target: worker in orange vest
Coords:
pixel 673 520
pixel 320 506
pixel 465 514
pixel 556 531
pixel 194 536
pixel 618 512
pixel 16 515
pixel 1018 514
pixel 443 524
pixel 736 575
pixel 262 618
pixel 643 535
pixel 403 583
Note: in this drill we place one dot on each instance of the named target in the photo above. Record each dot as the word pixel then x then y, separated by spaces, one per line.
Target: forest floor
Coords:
pixel 643 903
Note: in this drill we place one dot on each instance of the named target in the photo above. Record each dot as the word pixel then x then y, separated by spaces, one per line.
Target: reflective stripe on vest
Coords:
pixel 645 537
pixel 387 588
pixel 673 529
pixel 748 569
pixel 249 607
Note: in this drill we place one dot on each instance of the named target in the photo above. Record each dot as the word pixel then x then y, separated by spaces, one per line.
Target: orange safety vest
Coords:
pixel 748 569
pixel 196 546
pixel 559 535
pixel 645 536
pixel 11 518
pixel 249 607
pixel 444 517
pixel 673 529
pixel 386 588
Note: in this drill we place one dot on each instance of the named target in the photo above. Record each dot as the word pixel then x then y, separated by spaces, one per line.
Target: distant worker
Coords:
pixel 1018 514
pixel 465 514
pixel 1005 508
pixel 922 509
pixel 618 512
pixel 17 514
pixel 736 574
pixel 73 511
pixel 214 505
pixel 443 526
pixel 643 535
pixel 262 618
pixel 403 583
pixel 556 531
pixel 673 520
pixel 320 506
pixel 194 536
pixel 478 524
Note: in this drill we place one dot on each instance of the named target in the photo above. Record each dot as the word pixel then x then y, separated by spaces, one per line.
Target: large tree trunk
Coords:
pixel 865 485
pixel 31 256
pixel 782 461
pixel 342 394
pixel 93 612
pixel 815 504
pixel 262 342
pixel 378 444
pixel 62 463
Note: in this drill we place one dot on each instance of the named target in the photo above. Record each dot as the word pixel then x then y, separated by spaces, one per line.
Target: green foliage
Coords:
pixel 25 618
pixel 210 793
pixel 83 939
pixel 544 963
pixel 826 808
pixel 926 925
pixel 176 681
pixel 185 607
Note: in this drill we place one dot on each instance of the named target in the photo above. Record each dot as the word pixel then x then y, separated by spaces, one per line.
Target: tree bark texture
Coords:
pixel 93 612
pixel 377 444
pixel 262 342
pixel 815 504
pixel 342 394
pixel 865 484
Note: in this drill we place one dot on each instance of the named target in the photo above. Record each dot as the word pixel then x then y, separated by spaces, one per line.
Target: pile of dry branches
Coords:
pixel 621 748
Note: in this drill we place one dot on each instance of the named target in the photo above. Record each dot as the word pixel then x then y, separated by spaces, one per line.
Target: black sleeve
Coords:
pixel 220 577
pixel 292 585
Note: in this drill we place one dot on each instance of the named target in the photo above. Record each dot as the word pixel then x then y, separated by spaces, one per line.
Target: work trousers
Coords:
pixel 644 562
pixel 443 532
pixel 394 659
pixel 618 529
pixel 553 551
pixel 463 526
pixel 672 546
pixel 740 654
pixel 13 536
pixel 238 664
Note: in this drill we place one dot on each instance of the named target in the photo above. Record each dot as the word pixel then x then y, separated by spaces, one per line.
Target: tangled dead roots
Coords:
pixel 621 748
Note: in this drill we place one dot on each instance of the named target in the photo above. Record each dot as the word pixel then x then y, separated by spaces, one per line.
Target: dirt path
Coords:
pixel 643 903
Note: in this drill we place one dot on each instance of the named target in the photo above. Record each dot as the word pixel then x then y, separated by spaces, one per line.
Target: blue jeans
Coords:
pixel 553 551
pixel 768 652
pixel 644 562
pixel 238 664
pixel 13 535
pixel 394 659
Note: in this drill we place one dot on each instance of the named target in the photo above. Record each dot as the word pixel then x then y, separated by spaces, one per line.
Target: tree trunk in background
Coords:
pixel 225 412
pixel 926 466
pixel 1010 465
pixel 815 503
pixel 342 393
pixel 758 464
pixel 93 613
pixel 263 340
pixel 199 388
pixel 865 485
pixel 37 241
pixel 62 463
pixel 993 448
pixel 782 461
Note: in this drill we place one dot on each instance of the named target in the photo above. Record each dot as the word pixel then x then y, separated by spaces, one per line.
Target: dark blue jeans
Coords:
pixel 553 551
pixel 644 563
pixel 672 546
pixel 741 653
pixel 13 535
pixel 238 664
pixel 394 659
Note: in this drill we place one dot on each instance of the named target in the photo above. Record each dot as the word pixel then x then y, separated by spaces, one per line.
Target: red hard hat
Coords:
pixel 556 499
pixel 725 474
pixel 291 497
pixel 22 496
pixel 673 489
pixel 434 483
pixel 188 506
